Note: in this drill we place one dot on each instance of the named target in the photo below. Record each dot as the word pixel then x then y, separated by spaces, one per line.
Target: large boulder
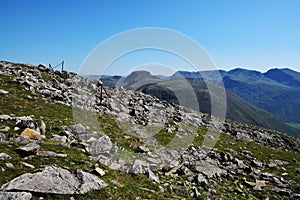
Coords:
pixel 55 180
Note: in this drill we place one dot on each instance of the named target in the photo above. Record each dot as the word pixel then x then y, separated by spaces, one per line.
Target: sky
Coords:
pixel 252 34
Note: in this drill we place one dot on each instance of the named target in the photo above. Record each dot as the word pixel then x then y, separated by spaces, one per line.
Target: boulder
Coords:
pixel 55 180
pixel 32 134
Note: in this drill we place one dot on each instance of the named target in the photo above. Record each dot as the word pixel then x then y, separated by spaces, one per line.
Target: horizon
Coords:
pixel 154 74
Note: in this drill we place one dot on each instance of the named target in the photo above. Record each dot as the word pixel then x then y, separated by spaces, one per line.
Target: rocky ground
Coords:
pixel 62 139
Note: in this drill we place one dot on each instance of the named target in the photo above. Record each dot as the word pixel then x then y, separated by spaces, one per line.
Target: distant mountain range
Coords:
pixel 276 91
pixel 263 99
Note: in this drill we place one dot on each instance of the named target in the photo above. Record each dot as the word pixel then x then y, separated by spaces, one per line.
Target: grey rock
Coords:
pixel 200 180
pixel 9 165
pixel 51 154
pixel 139 167
pixel 209 170
pixel 88 182
pixel 102 145
pixel 257 163
pixel 28 149
pixel 58 138
pixel 2 137
pixel 4 156
pixel 142 149
pixel 5 117
pixel 152 176
pixel 3 91
pixel 15 195
pixel 161 189
pixel 55 180
pixel 23 139
pixel 5 129
pixel 28 165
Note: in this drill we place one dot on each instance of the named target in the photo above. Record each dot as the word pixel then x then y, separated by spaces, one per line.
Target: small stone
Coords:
pixel 142 149
pixel 4 156
pixel 9 165
pixel 5 129
pixel 260 183
pixel 3 91
pixel 28 165
pixel 200 180
pixel 152 176
pixel 5 117
pixel 161 189
pixel 257 188
pixel 100 171
pixel 257 163
pixel 196 192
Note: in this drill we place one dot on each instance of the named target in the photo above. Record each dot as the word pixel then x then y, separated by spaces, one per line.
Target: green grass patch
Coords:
pixel 294 125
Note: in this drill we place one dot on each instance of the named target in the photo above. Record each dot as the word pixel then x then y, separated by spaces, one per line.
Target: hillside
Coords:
pixel 276 91
pixel 60 140
pixel 237 109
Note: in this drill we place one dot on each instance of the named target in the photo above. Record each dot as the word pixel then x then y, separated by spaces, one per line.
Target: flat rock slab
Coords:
pixel 15 195
pixel 209 170
pixel 55 180
pixel 28 149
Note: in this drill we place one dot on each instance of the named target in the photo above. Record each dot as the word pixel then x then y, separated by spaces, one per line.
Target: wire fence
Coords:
pixel 60 64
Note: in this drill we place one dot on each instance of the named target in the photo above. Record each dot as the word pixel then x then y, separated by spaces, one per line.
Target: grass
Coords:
pixel 19 103
pixel 294 125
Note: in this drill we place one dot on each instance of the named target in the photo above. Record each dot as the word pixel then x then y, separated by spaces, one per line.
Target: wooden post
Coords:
pixel 62 66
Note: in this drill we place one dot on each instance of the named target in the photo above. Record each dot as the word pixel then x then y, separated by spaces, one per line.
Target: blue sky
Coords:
pixel 253 34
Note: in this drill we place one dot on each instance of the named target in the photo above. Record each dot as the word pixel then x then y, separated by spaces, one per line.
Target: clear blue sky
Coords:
pixel 254 34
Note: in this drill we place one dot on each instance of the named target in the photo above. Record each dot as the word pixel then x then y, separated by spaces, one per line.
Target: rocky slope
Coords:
pixel 74 143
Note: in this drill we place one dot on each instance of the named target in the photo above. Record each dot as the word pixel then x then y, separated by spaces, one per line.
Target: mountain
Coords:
pixel 285 77
pixel 178 88
pixel 276 91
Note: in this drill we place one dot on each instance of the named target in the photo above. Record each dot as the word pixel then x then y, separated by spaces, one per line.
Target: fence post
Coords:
pixel 62 66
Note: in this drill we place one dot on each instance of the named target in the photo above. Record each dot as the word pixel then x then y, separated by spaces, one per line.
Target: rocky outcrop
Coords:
pixel 55 180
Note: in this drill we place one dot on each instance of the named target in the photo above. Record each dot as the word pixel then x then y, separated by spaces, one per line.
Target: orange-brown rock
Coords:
pixel 32 134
